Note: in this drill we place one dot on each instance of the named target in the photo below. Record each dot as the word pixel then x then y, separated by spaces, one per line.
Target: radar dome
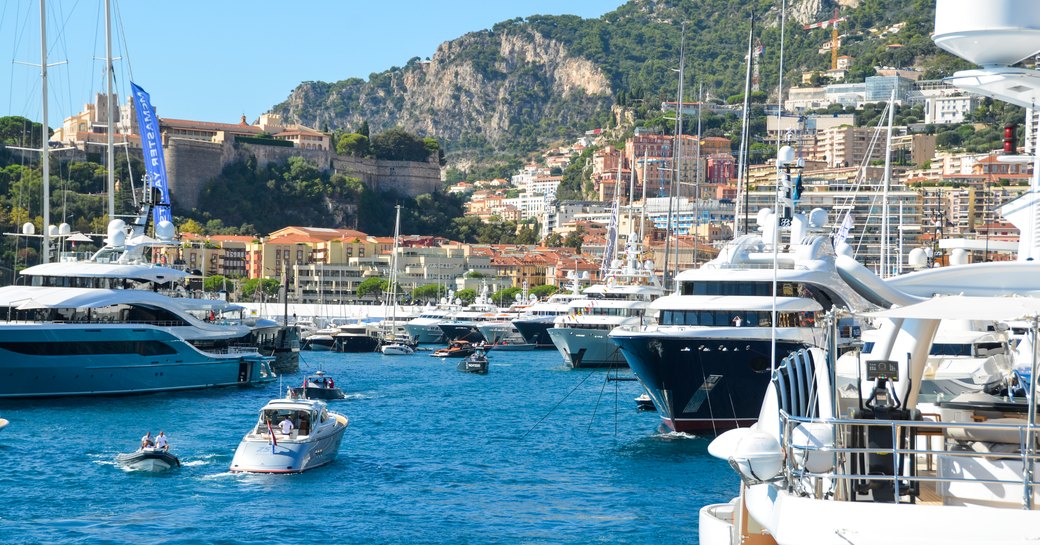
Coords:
pixel 817 218
pixel 917 259
pixel 958 257
pixel 994 32
pixel 117 239
pixel 52 230
pixel 763 216
pixel 28 229
pixel 648 264
pixel 64 230
pixel 785 156
pixel 164 230
pixel 116 225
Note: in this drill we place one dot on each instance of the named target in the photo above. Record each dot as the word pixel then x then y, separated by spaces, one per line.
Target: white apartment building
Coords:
pixel 942 110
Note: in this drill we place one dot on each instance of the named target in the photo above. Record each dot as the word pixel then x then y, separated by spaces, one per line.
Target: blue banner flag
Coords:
pixel 151 144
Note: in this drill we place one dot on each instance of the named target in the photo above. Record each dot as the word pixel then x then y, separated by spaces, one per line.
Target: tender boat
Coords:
pixel 312 441
pixel 148 459
pixel 3 423
pixel 396 348
pixel 457 349
pixel 475 363
pixel 318 386
pixel 645 403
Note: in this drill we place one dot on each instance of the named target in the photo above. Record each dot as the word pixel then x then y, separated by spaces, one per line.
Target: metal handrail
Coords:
pixel 904 459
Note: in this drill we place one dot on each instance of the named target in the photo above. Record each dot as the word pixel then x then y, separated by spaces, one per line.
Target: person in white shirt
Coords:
pixel 146 441
pixel 286 425
pixel 161 441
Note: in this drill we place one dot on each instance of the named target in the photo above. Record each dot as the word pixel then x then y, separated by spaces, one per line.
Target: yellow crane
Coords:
pixel 833 24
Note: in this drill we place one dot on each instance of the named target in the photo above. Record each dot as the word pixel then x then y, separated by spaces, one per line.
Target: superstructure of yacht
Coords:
pixel 536 320
pixel 425 328
pixel 823 468
pixel 103 326
pixel 291 436
pixel 707 360
pixel 581 335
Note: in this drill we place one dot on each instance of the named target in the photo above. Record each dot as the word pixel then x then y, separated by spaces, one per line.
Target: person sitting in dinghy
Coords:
pixel 146 441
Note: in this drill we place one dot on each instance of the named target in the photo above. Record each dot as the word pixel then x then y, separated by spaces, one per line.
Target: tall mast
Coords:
pixel 887 182
pixel 742 153
pixel 697 182
pixel 44 138
pixel 677 154
pixel 110 138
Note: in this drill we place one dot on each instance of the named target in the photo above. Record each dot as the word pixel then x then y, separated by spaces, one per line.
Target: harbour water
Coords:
pixel 533 452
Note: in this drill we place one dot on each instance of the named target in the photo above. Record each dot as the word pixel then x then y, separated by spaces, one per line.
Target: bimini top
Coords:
pixel 961 307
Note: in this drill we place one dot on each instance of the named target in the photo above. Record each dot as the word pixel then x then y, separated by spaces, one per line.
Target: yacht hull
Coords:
pixel 462 332
pixel 703 384
pixel 97 359
pixel 425 333
pixel 582 348
pixel 536 331
pixel 255 455
pixel 356 343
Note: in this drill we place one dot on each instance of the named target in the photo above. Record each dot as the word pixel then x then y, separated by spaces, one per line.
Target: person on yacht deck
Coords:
pixel 286 425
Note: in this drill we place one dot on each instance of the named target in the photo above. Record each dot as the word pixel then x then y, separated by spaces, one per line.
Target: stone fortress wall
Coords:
pixel 192 163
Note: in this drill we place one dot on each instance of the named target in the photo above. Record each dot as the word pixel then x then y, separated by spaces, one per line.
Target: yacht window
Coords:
pixel 983 350
pixel 950 349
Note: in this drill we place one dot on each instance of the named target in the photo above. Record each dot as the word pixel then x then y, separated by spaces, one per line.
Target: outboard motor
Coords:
pixel 883 404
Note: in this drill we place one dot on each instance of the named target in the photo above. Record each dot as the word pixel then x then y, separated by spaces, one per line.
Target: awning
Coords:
pixel 962 307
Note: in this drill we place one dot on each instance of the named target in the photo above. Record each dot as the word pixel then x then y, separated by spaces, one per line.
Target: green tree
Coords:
pixel 553 240
pixel 544 291
pixel 353 144
pixel 399 145
pixel 429 292
pixel 214 283
pixel 575 239
pixel 372 286
pixel 467 296
pixel 505 296
pixel 254 287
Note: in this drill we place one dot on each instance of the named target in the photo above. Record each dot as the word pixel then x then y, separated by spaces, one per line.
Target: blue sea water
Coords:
pixel 533 452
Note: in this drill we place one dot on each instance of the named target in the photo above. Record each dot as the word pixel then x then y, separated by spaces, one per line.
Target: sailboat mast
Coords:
pixel 887 182
pixel 110 138
pixel 697 182
pixel 742 158
pixel 677 154
pixel 45 158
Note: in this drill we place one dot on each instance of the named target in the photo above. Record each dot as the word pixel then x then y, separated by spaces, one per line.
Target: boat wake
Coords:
pixel 675 436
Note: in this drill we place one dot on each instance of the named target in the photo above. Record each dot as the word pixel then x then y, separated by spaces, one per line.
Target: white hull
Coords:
pixel 397 350
pixel 587 347
pixel 424 333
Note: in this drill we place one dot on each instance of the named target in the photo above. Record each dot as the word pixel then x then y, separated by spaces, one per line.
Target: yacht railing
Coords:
pixel 851 454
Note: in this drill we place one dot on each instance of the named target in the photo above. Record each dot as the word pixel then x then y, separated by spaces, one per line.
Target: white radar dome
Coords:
pixel 992 32
pixel 164 230
pixel 918 258
pixel 64 230
pixel 785 156
pixel 28 229
pixel 959 256
pixel 52 230
pixel 817 218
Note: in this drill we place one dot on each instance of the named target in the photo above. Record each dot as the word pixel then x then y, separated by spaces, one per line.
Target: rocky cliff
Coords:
pixel 481 89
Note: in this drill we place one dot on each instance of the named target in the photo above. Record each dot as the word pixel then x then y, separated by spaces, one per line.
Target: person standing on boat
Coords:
pixel 146 441
pixel 286 425
pixel 161 441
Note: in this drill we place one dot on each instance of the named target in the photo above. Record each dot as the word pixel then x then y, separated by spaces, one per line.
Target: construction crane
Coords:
pixel 833 23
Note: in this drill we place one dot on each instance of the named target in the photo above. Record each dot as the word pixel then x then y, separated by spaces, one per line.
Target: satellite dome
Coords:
pixel 918 258
pixel 994 32
pixel 117 239
pixel 52 230
pixel 64 230
pixel 164 230
pixel 28 229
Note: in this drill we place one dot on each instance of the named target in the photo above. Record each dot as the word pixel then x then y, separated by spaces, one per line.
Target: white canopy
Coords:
pixel 961 307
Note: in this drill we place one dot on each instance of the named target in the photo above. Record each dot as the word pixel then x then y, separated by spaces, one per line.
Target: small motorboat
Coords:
pixel 318 386
pixel 396 348
pixel 148 459
pixel 644 403
pixel 3 423
pixel 475 363
pixel 319 342
pixel 457 349
pixel 291 436
pixel 511 346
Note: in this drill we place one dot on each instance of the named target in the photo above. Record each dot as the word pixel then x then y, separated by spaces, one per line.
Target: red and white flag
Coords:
pixel 274 441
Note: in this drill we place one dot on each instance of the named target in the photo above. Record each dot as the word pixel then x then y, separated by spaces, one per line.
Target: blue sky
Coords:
pixel 216 60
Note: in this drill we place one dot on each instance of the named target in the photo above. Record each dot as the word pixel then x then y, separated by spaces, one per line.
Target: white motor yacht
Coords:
pixel 581 336
pixel 311 439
